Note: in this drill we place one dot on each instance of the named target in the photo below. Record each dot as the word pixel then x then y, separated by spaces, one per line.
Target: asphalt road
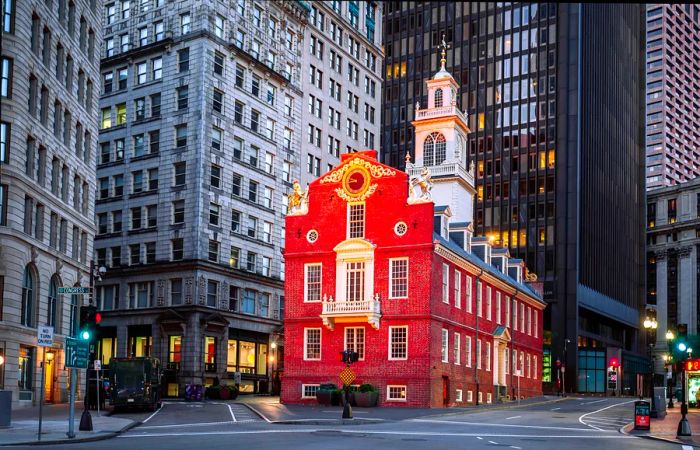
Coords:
pixel 572 424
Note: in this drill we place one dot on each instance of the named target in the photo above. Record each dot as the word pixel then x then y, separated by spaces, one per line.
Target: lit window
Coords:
pixel 396 393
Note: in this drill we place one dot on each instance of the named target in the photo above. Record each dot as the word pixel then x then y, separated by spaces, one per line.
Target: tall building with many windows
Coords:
pixel 673 94
pixel 342 89
pixel 554 99
pixel 197 147
pixel 48 133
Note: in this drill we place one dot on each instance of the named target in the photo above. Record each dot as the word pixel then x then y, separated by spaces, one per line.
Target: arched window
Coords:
pixel 438 98
pixel 434 149
pixel 52 306
pixel 27 297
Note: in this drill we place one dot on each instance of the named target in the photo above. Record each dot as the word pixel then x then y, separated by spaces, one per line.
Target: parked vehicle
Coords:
pixel 135 383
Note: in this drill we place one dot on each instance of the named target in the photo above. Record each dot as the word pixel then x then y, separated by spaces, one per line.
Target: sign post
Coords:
pixel 98 366
pixel 44 338
pixel 76 358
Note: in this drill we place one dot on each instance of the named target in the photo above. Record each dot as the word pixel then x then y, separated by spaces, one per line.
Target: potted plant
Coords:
pixel 366 396
pixel 224 393
pixel 324 395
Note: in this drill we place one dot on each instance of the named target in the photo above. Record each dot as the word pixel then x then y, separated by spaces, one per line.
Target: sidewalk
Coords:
pixel 25 425
pixel 667 427
pixel 272 410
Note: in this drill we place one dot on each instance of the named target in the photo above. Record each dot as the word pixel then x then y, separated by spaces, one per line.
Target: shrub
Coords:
pixel 366 387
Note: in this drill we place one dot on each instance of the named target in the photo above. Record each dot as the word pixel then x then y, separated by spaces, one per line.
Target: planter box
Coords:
pixel 324 397
pixel 366 399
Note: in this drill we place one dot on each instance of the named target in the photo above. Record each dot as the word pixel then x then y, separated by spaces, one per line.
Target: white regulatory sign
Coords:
pixel 44 336
pixel 98 364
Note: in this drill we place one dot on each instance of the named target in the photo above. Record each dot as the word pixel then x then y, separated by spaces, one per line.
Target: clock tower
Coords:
pixel 441 146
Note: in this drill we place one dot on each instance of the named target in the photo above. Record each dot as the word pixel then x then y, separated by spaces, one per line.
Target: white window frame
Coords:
pixel 479 294
pixel 392 295
pixel 488 356
pixel 534 367
pixel 470 396
pixel 489 305
pixel 364 216
pixel 529 321
pixel 458 395
pixel 457 348
pixel 507 360
pixel 306 282
pixel 445 346
pixel 354 346
pixel 527 358
pixel 488 398
pixel 515 315
pixel 481 397
pixel 458 289
pixel 535 314
pixel 303 390
pixel 320 339
pixel 445 283
pixel 388 393
pixel 468 288
pixel 468 356
pixel 522 317
pixel 498 307
pixel 507 321
pixel 391 358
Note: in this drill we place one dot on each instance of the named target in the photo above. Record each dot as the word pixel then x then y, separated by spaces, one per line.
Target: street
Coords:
pixel 576 423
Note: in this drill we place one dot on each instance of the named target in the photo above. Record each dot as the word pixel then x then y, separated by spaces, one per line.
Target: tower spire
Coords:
pixel 444 48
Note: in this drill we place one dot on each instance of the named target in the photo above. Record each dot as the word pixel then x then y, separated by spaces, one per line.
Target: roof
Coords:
pixel 491 270
pixel 460 225
pixel 441 208
pixel 442 74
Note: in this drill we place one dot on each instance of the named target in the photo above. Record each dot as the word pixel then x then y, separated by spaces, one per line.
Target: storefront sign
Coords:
pixel 692 364
pixel 641 415
pixel 612 380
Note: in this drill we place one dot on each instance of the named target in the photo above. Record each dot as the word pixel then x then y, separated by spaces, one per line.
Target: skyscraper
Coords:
pixel 193 167
pixel 673 94
pixel 48 133
pixel 341 83
pixel 554 97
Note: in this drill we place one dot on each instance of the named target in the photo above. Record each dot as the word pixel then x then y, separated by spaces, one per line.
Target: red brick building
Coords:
pixel 383 262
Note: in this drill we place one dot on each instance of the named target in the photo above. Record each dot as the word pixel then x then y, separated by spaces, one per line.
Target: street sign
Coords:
pixel 73 290
pixel 97 364
pixel 612 380
pixel 77 353
pixel 44 336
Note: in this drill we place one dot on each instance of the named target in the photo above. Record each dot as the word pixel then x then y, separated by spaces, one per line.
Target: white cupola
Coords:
pixel 441 145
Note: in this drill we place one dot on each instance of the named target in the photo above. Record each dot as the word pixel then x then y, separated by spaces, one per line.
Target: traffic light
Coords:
pixel 348 356
pixel 614 362
pixel 89 321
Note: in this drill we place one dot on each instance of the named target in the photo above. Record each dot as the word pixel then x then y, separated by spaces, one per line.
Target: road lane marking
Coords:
pixel 580 419
pixel 514 417
pixel 233 416
pixel 480 438
pixel 518 448
pixel 500 425
pixel 175 425
pixel 597 401
pixel 162 405
pixel 398 432
pixel 687 447
pixel 553 409
pixel 494 443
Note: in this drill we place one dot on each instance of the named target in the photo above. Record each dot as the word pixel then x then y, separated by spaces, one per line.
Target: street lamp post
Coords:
pixel 683 425
pixel 650 326
pixel 669 343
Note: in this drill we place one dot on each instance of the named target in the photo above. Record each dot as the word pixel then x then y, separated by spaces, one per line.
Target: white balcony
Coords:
pixel 445 169
pixel 442 111
pixel 344 312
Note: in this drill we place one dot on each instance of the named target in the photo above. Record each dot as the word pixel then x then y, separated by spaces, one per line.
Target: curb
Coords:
pixel 357 421
pixel 651 436
pixel 100 437
pixel 256 412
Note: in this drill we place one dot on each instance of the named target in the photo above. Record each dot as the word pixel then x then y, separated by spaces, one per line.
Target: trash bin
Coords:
pixel 642 420
pixel 5 409
pixel 199 392
pixel 188 392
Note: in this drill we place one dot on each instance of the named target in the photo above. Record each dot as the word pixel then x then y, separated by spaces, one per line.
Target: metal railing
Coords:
pixel 441 111
pixel 365 306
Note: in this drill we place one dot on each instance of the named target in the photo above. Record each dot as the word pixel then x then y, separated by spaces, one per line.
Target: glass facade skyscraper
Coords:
pixel 554 96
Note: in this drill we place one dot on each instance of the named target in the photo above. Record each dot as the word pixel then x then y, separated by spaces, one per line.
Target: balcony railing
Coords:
pixel 345 311
pixel 439 112
pixel 445 169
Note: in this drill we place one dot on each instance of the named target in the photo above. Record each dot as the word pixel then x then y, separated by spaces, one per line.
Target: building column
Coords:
pixel 661 299
pixel 122 341
pixel 687 287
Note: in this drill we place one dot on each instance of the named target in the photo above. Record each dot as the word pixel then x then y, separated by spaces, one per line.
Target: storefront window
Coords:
pixel 174 348
pixel 140 346
pixel 209 354
pixel 232 355
pixel 108 346
pixel 247 357
pixel 24 377
pixel 262 359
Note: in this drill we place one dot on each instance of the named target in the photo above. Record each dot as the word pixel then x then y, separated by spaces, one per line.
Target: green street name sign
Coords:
pixel 77 353
pixel 73 290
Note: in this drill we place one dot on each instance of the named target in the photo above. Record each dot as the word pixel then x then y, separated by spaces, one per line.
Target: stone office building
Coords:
pixel 48 133
pixel 198 146
pixel 673 252
pixel 342 89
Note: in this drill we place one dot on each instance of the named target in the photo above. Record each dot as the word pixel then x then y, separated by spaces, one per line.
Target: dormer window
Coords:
pixel 356 220
pixel 438 98
pixel 434 149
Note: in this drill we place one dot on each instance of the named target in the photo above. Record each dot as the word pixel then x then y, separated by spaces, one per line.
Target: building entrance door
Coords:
pixel 48 376
pixel 445 391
